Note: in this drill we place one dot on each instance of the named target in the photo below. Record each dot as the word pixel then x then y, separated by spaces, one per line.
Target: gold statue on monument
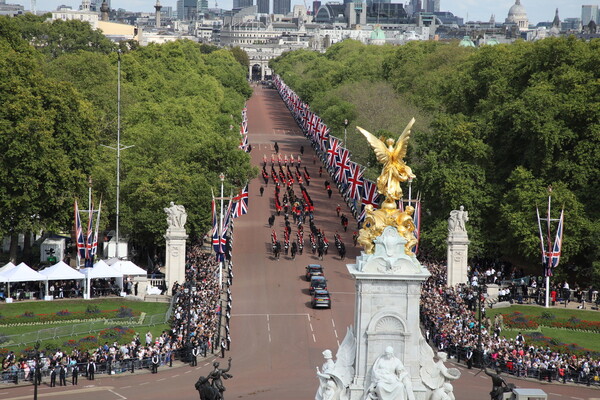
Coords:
pixel 391 154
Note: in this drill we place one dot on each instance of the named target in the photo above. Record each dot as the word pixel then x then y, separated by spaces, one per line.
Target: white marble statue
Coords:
pixel 176 216
pixel 388 379
pixel 435 375
pixel 457 220
pixel 334 377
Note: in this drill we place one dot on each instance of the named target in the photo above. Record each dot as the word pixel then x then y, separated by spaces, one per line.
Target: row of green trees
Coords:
pixel 495 127
pixel 58 90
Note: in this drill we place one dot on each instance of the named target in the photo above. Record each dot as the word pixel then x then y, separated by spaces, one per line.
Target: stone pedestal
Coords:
pixel 388 291
pixel 458 251
pixel 175 257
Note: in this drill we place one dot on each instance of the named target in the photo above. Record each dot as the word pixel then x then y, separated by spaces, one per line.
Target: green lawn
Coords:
pixel 50 307
pixel 586 339
pixel 56 334
pixel 559 312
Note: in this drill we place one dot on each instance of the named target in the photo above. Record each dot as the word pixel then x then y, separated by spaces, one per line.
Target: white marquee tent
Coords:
pixel 7 267
pixel 100 270
pixel 22 273
pixel 60 272
pixel 128 268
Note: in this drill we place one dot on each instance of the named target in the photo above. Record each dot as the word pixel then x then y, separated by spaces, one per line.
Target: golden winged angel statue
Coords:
pixel 394 169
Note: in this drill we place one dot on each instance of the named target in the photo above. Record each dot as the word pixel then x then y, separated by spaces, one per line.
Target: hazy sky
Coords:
pixel 537 10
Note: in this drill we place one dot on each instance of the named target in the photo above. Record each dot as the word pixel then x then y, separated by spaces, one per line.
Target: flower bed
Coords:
pixel 538 339
pixel 29 317
pixel 518 320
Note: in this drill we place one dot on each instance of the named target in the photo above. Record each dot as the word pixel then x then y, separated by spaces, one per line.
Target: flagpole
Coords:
pixel 222 178
pixel 549 258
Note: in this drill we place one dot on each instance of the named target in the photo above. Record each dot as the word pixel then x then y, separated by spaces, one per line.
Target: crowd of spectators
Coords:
pixel 451 323
pixel 194 331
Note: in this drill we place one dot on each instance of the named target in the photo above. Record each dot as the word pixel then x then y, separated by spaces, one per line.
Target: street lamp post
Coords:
pixel 36 369
pixel 345 132
pixel 222 178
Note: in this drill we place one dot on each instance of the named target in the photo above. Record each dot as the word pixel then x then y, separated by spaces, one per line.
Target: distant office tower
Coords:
pixel 432 6
pixel 589 13
pixel 243 3
pixel 263 6
pixel 187 9
pixel 315 7
pixel 202 5
pixel 282 6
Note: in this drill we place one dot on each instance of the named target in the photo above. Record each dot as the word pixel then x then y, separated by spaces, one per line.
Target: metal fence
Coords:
pixel 84 328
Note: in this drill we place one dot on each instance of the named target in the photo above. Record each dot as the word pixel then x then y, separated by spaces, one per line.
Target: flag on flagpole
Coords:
pixel 241 203
pixel 79 235
pixel 215 229
pixel 95 241
pixel 553 256
pixel 89 236
pixel 417 222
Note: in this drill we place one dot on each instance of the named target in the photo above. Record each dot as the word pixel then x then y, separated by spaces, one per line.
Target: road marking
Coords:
pixel 311 327
pixel 63 393
pixel 204 365
pixel 333 323
pixel 143 383
pixel 187 372
pixel 125 387
pixel 556 394
pixel 175 376
pixel 314 340
pixel 161 379
pixel 115 393
pixel 335 332
pixel 576 398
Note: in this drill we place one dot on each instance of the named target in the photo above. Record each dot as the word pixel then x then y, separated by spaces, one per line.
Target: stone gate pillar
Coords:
pixel 175 237
pixel 458 247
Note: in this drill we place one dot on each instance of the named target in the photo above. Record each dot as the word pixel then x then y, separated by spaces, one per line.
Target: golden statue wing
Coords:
pixel 382 153
pixel 402 143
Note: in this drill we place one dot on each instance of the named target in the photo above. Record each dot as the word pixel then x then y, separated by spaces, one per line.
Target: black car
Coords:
pixel 317 282
pixel 313 270
pixel 320 299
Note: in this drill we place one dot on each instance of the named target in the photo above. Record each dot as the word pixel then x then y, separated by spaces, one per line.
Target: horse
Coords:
pixel 206 391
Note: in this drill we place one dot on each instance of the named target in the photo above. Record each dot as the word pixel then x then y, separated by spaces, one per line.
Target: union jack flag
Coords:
pixel 90 235
pixel 241 203
pixel 355 180
pixel 369 197
pixel 342 165
pixel 553 257
pixel 95 241
pixel 244 143
pixel 79 233
pixel 323 136
pixel 332 151
pixel 417 222
pixel 216 243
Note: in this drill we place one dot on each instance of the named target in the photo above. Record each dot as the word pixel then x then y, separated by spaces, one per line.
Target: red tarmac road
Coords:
pixel 277 339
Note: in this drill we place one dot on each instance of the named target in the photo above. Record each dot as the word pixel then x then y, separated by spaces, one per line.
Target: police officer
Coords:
pixel 62 376
pixel 74 374
pixel 195 352
pixel 469 357
pixel 91 369
pixel 155 362
pixel 52 377
pixel 223 348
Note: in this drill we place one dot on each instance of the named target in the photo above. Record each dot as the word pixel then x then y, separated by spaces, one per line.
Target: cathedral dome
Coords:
pixel 517 15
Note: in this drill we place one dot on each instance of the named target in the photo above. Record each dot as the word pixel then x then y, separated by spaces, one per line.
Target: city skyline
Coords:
pixel 470 10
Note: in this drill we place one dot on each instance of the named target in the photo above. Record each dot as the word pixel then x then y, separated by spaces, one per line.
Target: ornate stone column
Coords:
pixel 175 237
pixel 458 247
pixel 388 291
